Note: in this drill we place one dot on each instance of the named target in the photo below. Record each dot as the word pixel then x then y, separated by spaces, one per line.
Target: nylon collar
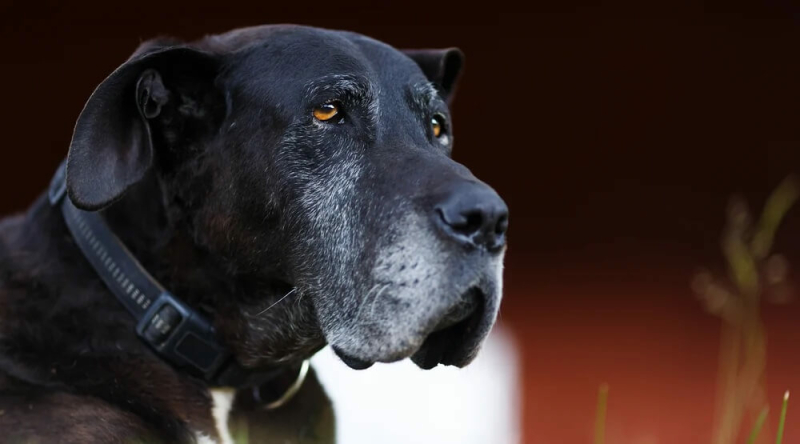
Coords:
pixel 176 332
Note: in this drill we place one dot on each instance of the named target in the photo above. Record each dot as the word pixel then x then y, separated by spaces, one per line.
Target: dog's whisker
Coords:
pixel 277 302
pixel 299 298
pixel 366 299
pixel 375 299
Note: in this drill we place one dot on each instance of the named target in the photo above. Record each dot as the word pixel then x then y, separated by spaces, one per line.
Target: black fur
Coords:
pixel 207 162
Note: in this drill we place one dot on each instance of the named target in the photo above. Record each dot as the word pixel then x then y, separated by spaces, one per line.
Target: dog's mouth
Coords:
pixel 451 341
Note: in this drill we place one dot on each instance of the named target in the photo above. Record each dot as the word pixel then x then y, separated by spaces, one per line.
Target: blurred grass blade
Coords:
pixel 775 209
pixel 757 427
pixel 600 415
pixel 782 421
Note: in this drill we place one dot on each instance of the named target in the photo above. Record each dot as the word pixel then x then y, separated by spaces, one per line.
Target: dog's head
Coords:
pixel 311 160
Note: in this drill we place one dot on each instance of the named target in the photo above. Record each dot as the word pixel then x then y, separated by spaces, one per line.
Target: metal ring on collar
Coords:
pixel 290 392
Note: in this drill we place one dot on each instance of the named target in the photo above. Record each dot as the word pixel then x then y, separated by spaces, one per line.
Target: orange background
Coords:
pixel 616 133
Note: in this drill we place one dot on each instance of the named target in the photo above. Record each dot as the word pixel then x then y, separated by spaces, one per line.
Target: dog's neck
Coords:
pixel 160 242
pixel 160 238
pixel 47 290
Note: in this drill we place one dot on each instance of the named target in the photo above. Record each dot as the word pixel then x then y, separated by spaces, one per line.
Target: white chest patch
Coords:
pixel 202 438
pixel 223 400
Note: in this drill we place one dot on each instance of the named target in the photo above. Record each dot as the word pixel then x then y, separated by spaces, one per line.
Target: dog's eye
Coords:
pixel 437 125
pixel 327 111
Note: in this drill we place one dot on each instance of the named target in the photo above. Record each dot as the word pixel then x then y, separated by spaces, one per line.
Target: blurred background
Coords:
pixel 617 133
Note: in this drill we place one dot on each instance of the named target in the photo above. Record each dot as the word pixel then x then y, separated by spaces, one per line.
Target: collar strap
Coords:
pixel 176 332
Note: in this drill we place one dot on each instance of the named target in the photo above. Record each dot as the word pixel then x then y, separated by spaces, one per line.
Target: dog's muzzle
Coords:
pixel 450 343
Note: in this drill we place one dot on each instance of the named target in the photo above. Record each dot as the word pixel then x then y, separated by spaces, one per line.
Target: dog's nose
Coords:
pixel 473 214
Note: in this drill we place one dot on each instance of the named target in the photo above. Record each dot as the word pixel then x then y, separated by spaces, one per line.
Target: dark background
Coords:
pixel 615 132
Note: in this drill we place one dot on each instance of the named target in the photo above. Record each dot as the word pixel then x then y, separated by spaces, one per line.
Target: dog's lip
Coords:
pixel 466 306
pixel 450 341
pixel 451 344
pixel 351 361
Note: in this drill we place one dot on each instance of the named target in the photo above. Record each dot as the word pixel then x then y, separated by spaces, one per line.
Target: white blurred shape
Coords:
pixel 401 404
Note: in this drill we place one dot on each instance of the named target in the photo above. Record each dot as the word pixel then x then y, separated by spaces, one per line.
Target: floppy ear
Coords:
pixel 441 66
pixel 112 146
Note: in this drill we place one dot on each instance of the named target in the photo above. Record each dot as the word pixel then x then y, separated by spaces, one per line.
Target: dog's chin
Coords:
pixel 454 340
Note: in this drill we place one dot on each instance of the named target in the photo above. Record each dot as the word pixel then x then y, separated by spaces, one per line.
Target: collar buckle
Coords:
pixel 182 335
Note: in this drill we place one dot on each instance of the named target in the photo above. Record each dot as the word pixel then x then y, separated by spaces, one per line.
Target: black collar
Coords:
pixel 179 334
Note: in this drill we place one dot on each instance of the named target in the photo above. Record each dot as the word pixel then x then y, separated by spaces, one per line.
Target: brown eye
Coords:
pixel 437 125
pixel 327 111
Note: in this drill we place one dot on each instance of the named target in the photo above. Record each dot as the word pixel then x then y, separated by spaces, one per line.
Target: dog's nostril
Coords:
pixel 502 225
pixel 468 223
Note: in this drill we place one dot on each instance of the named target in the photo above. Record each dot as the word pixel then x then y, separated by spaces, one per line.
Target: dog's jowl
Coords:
pixel 227 208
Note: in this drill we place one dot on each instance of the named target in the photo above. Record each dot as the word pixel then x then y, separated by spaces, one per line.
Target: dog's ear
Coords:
pixel 112 146
pixel 441 66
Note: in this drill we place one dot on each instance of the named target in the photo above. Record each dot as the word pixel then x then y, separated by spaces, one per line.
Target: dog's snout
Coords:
pixel 473 214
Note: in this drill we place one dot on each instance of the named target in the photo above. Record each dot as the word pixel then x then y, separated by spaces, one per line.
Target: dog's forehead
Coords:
pixel 289 59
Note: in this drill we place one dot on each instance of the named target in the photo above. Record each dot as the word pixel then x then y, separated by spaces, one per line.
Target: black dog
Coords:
pixel 293 185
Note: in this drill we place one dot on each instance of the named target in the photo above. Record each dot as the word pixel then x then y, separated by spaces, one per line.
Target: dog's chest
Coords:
pixel 222 399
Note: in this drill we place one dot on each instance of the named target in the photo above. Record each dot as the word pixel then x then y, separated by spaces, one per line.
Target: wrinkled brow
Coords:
pixel 422 96
pixel 343 86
